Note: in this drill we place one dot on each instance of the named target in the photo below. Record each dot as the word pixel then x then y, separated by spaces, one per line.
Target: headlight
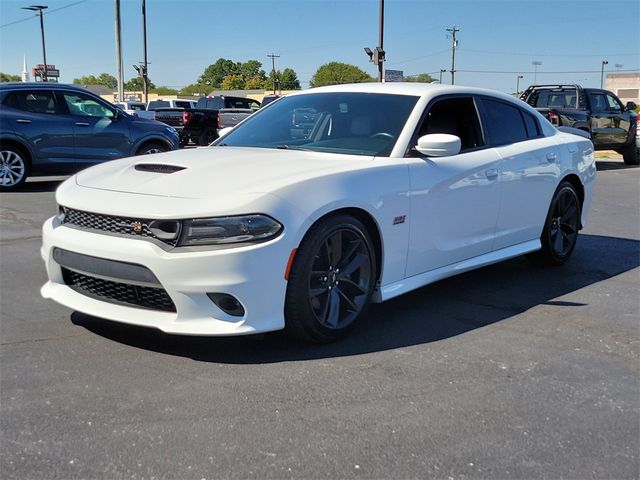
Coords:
pixel 225 230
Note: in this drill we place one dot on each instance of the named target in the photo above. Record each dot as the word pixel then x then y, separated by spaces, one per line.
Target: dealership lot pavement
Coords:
pixel 511 371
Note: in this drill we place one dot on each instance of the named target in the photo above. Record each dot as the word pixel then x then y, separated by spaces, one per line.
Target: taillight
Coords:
pixel 553 118
pixel 219 119
pixel 186 117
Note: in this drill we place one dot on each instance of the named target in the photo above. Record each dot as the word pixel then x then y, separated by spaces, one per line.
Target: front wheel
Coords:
pixel 331 280
pixel 560 231
pixel 14 167
pixel 150 148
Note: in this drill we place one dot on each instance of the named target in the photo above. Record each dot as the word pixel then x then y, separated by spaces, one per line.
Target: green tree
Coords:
pixel 289 80
pixel 136 84
pixel 215 73
pixel 195 89
pixel 103 79
pixel 335 73
pixel 250 70
pixel 232 82
pixel 6 77
pixel 420 77
pixel 254 83
pixel 164 91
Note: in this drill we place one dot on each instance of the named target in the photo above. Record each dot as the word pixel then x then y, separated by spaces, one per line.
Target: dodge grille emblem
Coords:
pixel 137 227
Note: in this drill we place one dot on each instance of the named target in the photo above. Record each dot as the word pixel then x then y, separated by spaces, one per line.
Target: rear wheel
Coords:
pixel 207 136
pixel 14 167
pixel 149 148
pixel 560 231
pixel 331 280
pixel 630 155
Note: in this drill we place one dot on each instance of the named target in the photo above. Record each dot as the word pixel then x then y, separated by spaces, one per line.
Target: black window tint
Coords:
pixel 504 122
pixel 42 101
pixel 531 124
pixel 598 102
pixel 455 116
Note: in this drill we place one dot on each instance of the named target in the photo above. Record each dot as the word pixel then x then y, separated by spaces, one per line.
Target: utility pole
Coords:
pixel 39 8
pixel 273 69
pixel 145 77
pixel 442 70
pixel 119 53
pixel 454 45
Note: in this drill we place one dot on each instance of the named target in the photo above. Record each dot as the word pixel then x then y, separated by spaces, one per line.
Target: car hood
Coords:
pixel 211 172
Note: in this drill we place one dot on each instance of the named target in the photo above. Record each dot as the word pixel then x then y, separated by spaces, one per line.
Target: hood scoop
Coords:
pixel 158 168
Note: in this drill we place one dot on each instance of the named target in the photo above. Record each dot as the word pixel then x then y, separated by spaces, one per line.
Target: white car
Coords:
pixel 390 187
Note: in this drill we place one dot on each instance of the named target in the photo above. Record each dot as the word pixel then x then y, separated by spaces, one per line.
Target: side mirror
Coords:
pixel 439 145
pixel 224 131
pixel 631 106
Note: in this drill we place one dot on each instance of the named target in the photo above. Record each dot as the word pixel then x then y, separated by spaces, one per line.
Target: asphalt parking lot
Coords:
pixel 511 371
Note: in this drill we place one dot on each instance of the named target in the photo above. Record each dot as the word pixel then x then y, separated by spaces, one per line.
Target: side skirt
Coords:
pixel 395 289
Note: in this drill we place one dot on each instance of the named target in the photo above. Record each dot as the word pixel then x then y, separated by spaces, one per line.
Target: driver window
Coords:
pixel 613 103
pixel 79 104
pixel 455 116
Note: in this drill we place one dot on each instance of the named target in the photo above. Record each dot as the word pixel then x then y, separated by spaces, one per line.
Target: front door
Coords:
pixel 99 133
pixel 455 199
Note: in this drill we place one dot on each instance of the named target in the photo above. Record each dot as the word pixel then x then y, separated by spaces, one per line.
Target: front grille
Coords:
pixel 132 227
pixel 117 292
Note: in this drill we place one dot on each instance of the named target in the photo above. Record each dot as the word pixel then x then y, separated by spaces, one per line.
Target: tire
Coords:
pixel 207 136
pixel 560 232
pixel 630 155
pixel 331 280
pixel 14 167
pixel 151 148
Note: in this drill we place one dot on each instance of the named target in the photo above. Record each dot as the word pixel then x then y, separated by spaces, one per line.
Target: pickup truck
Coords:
pixel 202 124
pixel 213 113
pixel 170 103
pixel 610 125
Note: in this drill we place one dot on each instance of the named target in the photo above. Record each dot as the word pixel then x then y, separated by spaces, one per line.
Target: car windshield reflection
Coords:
pixel 349 123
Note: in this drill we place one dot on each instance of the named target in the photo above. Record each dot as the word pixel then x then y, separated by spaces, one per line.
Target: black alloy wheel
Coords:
pixel 151 148
pixel 561 228
pixel 331 280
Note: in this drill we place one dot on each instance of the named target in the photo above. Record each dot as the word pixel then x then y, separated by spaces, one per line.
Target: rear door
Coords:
pixel 528 174
pixel 99 133
pixel 35 116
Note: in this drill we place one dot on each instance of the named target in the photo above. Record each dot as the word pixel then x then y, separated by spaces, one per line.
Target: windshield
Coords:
pixel 351 123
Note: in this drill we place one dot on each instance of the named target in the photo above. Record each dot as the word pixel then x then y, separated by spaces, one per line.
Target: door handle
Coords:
pixel 551 157
pixel 82 124
pixel 22 120
pixel 491 174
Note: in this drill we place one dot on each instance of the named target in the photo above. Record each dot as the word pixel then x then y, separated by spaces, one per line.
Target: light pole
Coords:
pixel 518 84
pixel 377 56
pixel 442 70
pixel 145 78
pixel 604 62
pixel 536 64
pixel 39 8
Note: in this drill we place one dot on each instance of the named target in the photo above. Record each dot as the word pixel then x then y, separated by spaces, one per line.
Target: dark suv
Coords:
pixel 49 128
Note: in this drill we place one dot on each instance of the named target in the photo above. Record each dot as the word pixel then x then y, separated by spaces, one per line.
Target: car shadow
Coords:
pixel 433 313
pixel 40 186
pixel 602 165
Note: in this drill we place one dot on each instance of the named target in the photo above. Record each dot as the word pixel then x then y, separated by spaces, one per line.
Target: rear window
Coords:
pixel 157 104
pixel 556 98
pixel 35 101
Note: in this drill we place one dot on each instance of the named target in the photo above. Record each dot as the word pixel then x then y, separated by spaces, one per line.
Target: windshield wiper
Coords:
pixel 292 147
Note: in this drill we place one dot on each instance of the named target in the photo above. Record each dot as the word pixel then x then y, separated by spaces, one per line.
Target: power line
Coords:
pixel 48 13
pixel 521 54
pixel 540 73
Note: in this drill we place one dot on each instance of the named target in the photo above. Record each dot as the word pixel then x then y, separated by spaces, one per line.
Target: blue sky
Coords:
pixel 569 37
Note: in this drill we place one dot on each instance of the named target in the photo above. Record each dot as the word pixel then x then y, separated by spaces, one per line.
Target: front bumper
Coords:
pixel 254 275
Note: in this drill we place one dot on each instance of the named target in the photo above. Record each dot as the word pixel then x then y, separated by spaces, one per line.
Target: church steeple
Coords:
pixel 25 72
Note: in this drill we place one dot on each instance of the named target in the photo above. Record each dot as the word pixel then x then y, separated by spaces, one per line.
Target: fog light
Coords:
pixel 227 303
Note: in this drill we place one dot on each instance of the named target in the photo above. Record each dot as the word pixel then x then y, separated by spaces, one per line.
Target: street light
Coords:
pixel 604 62
pixel 39 8
pixel 442 70
pixel 518 84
